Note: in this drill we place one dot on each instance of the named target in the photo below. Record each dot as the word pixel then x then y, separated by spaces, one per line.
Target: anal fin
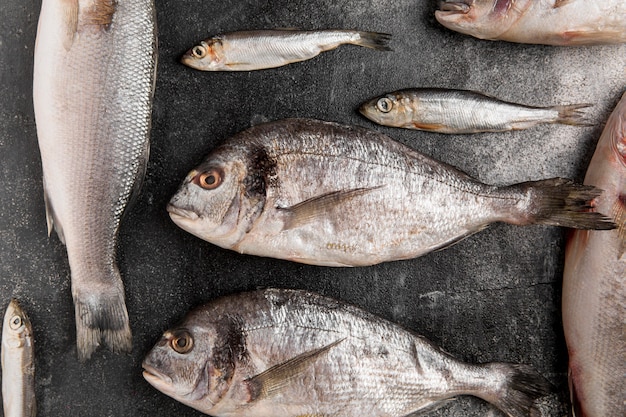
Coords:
pixel 277 377
pixel 51 221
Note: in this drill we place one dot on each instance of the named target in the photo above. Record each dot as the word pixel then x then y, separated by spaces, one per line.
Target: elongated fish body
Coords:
pixel 289 353
pixel 549 22
pixel 93 86
pixel 594 286
pixel 461 111
pixel 262 49
pixel 327 194
pixel 18 363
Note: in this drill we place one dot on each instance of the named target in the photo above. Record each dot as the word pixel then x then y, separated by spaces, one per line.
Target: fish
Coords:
pixel 594 285
pixel 293 353
pixel 18 363
pixel 547 22
pixel 460 111
pixel 94 76
pixel 328 194
pixel 262 49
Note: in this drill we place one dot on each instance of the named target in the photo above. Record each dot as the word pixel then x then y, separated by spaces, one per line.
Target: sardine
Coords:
pixel 548 22
pixel 262 49
pixel 93 85
pixel 594 286
pixel 18 363
pixel 460 111
pixel 289 353
pixel 327 194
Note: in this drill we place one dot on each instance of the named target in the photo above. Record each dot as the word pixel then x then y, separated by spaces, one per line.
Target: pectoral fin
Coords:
pixel 99 14
pixel 317 207
pixel 276 378
pixel 560 3
pixel 70 22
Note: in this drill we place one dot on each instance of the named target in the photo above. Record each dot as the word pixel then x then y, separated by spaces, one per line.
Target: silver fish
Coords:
pixel 460 111
pixel 548 22
pixel 325 194
pixel 594 286
pixel 262 49
pixel 18 363
pixel 93 85
pixel 289 353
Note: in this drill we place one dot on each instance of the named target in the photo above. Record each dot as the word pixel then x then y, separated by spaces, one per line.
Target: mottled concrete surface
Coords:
pixel 493 296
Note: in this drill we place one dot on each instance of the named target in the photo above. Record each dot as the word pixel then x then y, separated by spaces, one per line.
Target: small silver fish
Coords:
pixel 261 49
pixel 460 111
pixel 289 353
pixel 326 194
pixel 548 22
pixel 594 286
pixel 94 74
pixel 18 363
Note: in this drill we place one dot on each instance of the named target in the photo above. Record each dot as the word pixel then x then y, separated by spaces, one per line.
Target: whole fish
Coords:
pixel 327 194
pixel 289 353
pixel 548 22
pixel 594 286
pixel 262 49
pixel 93 85
pixel 18 363
pixel 460 111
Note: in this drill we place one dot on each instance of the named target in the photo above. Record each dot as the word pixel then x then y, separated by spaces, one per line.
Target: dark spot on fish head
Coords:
pixel 261 174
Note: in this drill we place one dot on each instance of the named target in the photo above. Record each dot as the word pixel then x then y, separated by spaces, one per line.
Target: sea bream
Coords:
pixel 444 110
pixel 94 79
pixel 549 22
pixel 262 49
pixel 18 363
pixel 327 194
pixel 594 286
pixel 290 353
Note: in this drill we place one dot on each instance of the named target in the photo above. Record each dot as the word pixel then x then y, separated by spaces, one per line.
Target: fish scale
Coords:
pixel 93 86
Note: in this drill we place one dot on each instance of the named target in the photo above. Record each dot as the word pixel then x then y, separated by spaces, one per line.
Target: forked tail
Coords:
pixel 573 114
pixel 558 202
pixel 101 316
pixel 374 40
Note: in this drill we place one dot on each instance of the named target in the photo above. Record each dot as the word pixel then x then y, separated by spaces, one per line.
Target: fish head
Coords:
pixel 209 202
pixel 392 109
pixel 208 55
pixel 16 328
pixel 180 365
pixel 484 19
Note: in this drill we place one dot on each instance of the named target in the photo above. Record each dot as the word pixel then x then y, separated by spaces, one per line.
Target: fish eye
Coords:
pixel 384 105
pixel 182 342
pixel 198 51
pixel 15 323
pixel 209 180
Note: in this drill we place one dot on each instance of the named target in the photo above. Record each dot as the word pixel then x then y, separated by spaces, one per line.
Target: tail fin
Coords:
pixel 374 40
pixel 560 202
pixel 572 115
pixel 518 388
pixel 101 316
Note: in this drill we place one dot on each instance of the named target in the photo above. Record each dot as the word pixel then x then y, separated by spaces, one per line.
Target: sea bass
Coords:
pixel 594 286
pixel 326 194
pixel 288 353
pixel 93 85
pixel 262 49
pixel 460 111
pixel 549 22
pixel 18 363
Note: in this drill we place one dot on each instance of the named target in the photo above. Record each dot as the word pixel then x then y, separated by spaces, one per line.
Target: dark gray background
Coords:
pixel 494 296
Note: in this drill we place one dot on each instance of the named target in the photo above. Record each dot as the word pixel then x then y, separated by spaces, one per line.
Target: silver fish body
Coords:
pixel 94 79
pixel 460 111
pixel 326 194
pixel 594 286
pixel 549 22
pixel 288 353
pixel 262 49
pixel 18 363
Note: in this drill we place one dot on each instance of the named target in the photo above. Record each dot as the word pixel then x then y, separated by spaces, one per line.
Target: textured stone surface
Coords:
pixel 493 296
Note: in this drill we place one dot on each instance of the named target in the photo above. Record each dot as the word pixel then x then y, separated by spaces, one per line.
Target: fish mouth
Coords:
pixel 456 7
pixel 180 213
pixel 157 379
